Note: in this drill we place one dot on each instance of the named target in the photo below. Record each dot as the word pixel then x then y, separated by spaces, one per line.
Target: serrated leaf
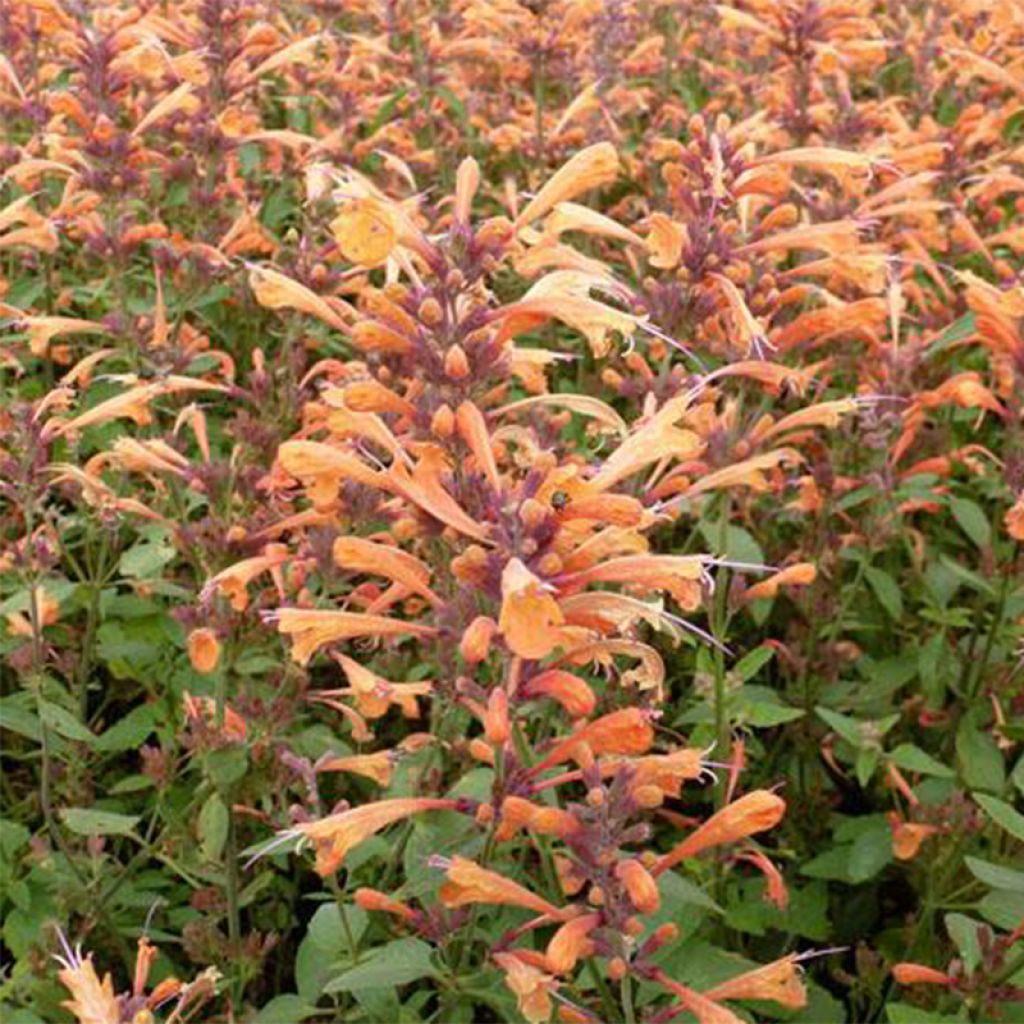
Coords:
pixel 88 822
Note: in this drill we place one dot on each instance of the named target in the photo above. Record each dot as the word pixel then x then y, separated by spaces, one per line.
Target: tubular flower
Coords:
pixel 334 836
pixel 779 982
pixel 312 629
pixel 468 882
pixel 751 813
pixel 571 943
pixel 530 616
pixel 531 986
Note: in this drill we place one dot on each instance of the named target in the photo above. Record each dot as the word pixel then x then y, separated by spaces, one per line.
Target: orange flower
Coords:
pixel 375 694
pixel 665 241
pixel 472 429
pixel 92 1001
pixel 517 813
pixel 907 837
pixel 359 555
pixel 468 882
pixel 423 487
pixel 677 574
pixel 1014 519
pixel 531 986
pixel 529 614
pixel 322 467
pixel 706 1010
pixel 371 899
pixel 590 168
pixel 779 982
pixel 919 974
pixel 273 290
pixel 379 766
pixel 799 575
pixel 233 581
pixel 366 231
pixel 203 650
pixel 752 813
pixel 205 708
pixel 476 641
pixel 312 628
pixel 627 731
pixel 335 835
pixel 571 943
pixel 775 891
pixel 569 690
pixel 640 884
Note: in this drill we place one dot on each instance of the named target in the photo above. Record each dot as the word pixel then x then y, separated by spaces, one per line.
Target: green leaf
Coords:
pixel 130 731
pixel 963 930
pixel 972 520
pixel 764 715
pixel 913 759
pixel 958 330
pixel 870 853
pixel 904 1013
pixel 886 590
pixel 1003 908
pixel 1002 813
pixel 286 1009
pixel 848 728
pixel 98 823
pixel 979 759
pixel 395 963
pixel 214 821
pixel 996 875
pixel 227 765
pixel 64 723
pixel 145 559
pixel 750 664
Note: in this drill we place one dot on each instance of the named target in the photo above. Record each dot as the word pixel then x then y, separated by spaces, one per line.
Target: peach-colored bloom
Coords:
pixel 801 574
pixel 531 986
pixel 203 650
pixel 312 628
pixel 919 974
pixel 640 884
pixel 751 813
pixel 468 882
pixel 530 615
pixel 569 690
pixel 590 168
pixel 379 766
pixel 627 731
pixel 571 943
pixel 779 982
pixel 334 836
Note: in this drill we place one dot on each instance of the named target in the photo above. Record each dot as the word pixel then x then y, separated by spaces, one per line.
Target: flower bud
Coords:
pixel 203 650
pixel 442 423
pixel 476 640
pixel 639 884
